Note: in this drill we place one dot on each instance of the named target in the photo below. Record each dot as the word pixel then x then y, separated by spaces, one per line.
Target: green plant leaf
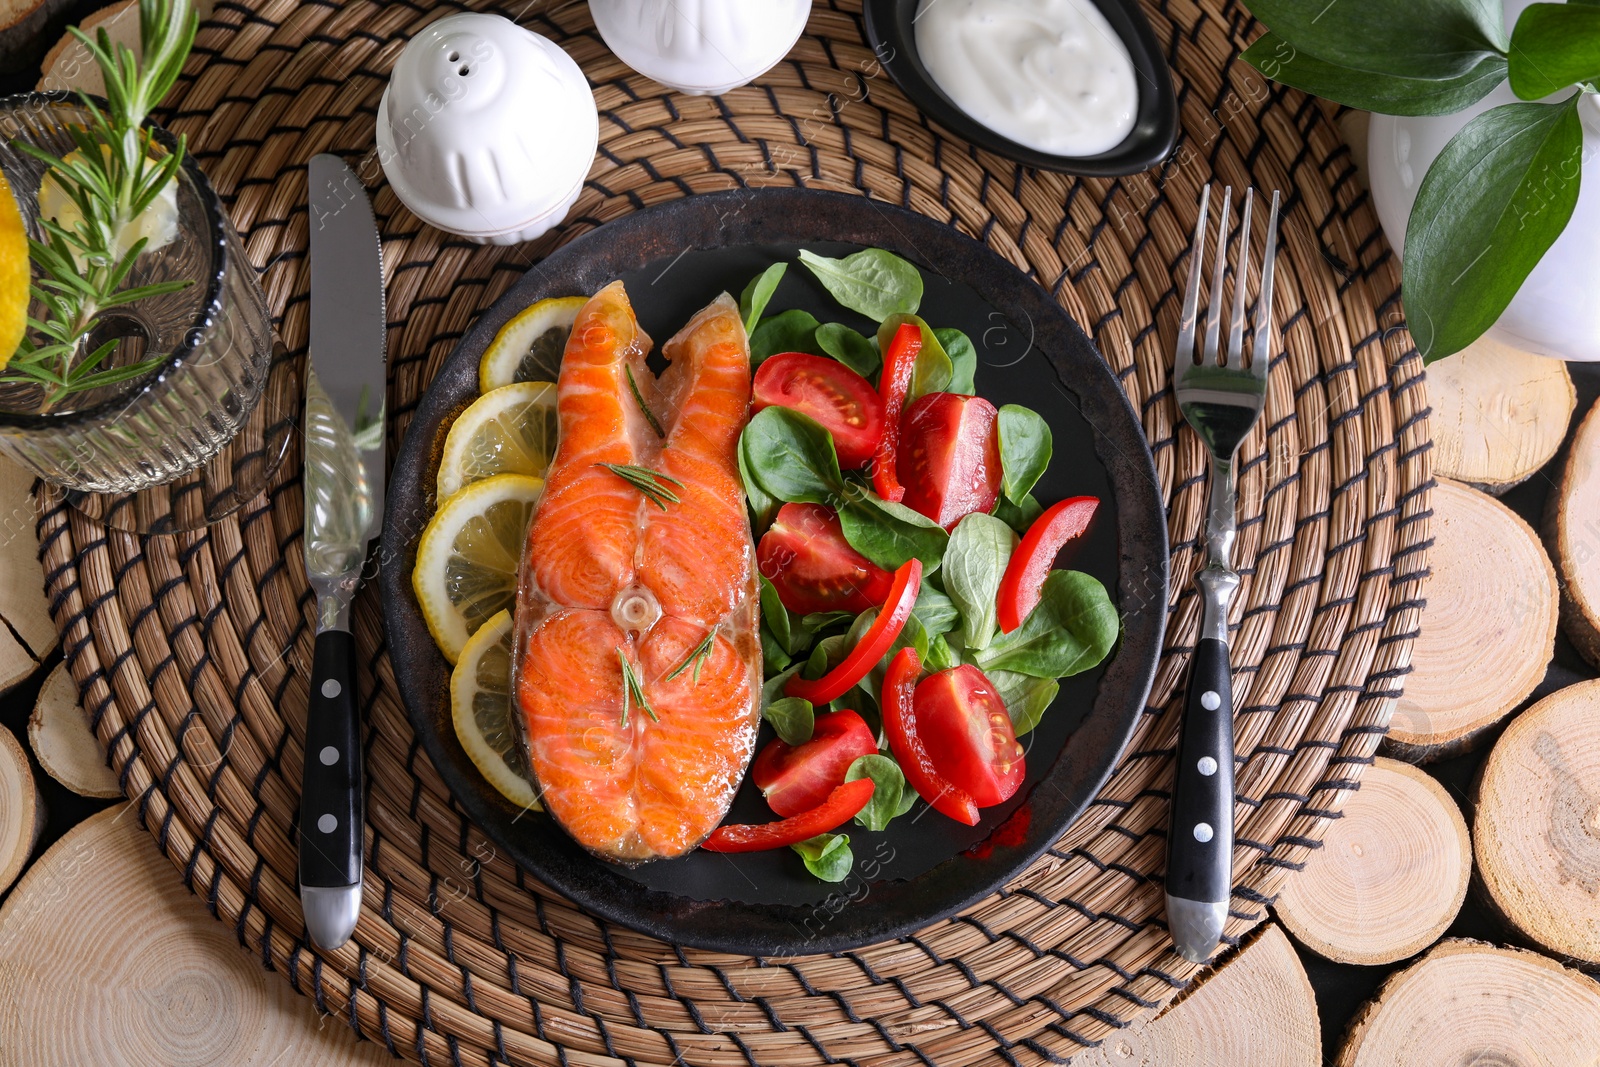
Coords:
pixel 791 457
pixel 874 282
pixel 891 797
pixel 934 370
pixel 1072 629
pixel 1433 39
pixel 848 347
pixel 963 360
pixel 889 534
pixel 937 611
pixel 1553 46
pixel 1026 698
pixel 1018 516
pixel 772 688
pixel 792 718
pixel 788 331
pixel 1025 447
pixel 974 562
pixel 1388 94
pixel 753 301
pixel 763 505
pixel 774 616
pixel 1490 206
pixel 827 856
pixel 940 655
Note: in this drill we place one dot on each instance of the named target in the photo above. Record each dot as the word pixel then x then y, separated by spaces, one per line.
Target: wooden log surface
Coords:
pixel 1499 413
pixel 107 959
pixel 27 635
pixel 1468 1004
pixel 21 809
pixel 1488 631
pixel 1391 873
pixel 1537 827
pixel 59 734
pixel 1255 1010
pixel 1572 529
pixel 21 24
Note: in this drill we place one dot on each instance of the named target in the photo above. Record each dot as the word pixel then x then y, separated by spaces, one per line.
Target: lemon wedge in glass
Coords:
pixel 509 430
pixel 481 707
pixel 467 559
pixel 15 274
pixel 530 346
pixel 158 222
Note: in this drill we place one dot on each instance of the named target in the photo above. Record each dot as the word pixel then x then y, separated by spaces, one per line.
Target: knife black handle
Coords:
pixel 332 809
pixel 1200 839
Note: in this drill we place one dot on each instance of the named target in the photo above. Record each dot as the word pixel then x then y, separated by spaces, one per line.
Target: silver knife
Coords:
pixel 343 485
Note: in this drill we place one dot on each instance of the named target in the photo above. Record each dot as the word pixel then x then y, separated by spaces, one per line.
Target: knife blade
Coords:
pixel 343 483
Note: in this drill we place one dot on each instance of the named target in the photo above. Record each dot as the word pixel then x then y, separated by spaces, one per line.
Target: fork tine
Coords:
pixel 1218 274
pixel 1241 274
pixel 1261 356
pixel 1191 293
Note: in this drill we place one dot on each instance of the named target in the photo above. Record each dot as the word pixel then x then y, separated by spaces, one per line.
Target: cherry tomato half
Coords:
pixel 806 558
pixel 949 458
pixel 905 741
pixel 964 725
pixel 840 807
pixel 796 778
pixel 842 401
pixel 1031 562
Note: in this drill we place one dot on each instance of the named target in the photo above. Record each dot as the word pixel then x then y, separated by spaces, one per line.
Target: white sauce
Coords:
pixel 1049 74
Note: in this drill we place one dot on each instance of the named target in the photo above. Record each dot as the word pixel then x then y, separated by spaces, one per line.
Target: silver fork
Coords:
pixel 1222 399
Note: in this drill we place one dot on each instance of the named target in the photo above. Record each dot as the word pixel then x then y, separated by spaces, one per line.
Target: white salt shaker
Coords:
pixel 486 129
pixel 700 47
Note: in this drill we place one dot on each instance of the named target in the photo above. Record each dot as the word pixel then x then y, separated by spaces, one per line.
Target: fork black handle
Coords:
pixel 1200 842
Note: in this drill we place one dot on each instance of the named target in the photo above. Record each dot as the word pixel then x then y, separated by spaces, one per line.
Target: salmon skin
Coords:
pixel 638 663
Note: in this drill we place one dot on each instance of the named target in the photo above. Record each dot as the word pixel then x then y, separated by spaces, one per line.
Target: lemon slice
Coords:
pixel 467 559
pixel 529 346
pixel 509 430
pixel 480 704
pixel 14 274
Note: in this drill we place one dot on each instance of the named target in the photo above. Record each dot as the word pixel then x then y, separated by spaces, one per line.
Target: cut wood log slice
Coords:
pixel 1391 873
pixel 1537 829
pixel 1572 528
pixel 106 959
pixel 22 22
pixel 21 810
pixel 1468 1004
pixel 1499 413
pixel 26 633
pixel 68 64
pixel 62 742
pixel 1256 1010
pixel 1488 631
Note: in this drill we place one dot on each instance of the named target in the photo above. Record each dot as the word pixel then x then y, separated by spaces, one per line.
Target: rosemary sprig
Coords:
pixel 697 658
pixel 650 416
pixel 647 482
pixel 632 690
pixel 114 174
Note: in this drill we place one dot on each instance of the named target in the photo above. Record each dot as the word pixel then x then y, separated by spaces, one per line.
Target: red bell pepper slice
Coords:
pixel 899 364
pixel 872 647
pixel 900 723
pixel 1031 562
pixel 840 807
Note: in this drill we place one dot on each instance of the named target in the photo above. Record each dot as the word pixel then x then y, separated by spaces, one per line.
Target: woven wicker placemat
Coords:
pixel 192 651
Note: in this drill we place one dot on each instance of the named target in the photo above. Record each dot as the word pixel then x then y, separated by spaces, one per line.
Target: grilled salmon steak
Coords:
pixel 638 670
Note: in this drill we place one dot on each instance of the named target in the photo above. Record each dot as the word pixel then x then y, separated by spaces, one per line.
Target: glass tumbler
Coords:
pixel 213 337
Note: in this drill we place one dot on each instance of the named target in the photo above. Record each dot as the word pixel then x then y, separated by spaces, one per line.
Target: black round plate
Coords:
pixel 674 259
pixel 889 25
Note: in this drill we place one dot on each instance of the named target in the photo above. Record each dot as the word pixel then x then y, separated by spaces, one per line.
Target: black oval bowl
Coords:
pixel 1155 129
pixel 675 258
